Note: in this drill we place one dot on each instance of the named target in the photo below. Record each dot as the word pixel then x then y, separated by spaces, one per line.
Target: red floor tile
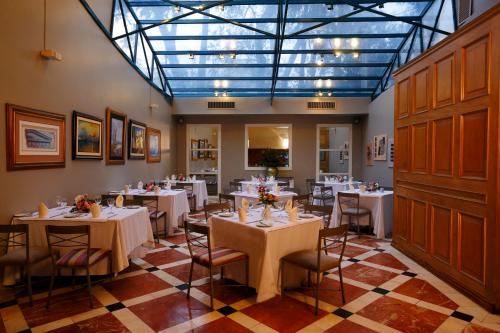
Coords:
pixel 334 297
pixel 131 268
pixel 346 326
pixel 350 251
pixel 222 325
pixel 473 328
pixel 386 259
pixel 227 294
pixel 169 311
pixel 182 272
pixel 164 257
pixel 424 291
pixel 177 239
pixel 286 315
pixel 135 286
pixel 61 306
pixel 105 323
pixel 403 316
pixel 367 241
pixel 370 275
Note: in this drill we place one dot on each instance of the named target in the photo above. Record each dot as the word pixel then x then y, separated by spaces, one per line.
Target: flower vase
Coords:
pixel 266 213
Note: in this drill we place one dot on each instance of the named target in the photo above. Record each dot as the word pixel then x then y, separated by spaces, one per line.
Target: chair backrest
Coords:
pixel 323 211
pixel 234 186
pixel 186 186
pixel 151 202
pixel 348 200
pixel 196 233
pixel 215 207
pixel 309 183
pixel 105 197
pixel 301 200
pixel 335 238
pixel 68 236
pixel 11 235
pixel 229 199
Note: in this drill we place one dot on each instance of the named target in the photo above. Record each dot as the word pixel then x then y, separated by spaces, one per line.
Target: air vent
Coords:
pixel 221 105
pixel 321 105
pixel 464 10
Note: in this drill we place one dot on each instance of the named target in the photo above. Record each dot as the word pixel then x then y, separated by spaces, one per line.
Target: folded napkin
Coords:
pixel 245 204
pixel 193 178
pixel 43 211
pixel 126 188
pixel 119 201
pixel 242 214
pixel 95 210
pixel 292 214
pixel 288 205
pixel 157 189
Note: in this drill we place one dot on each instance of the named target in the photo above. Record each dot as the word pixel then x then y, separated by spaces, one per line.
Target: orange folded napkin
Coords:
pixel 245 204
pixel 288 205
pixel 43 210
pixel 292 214
pixel 95 210
pixel 242 214
pixel 119 201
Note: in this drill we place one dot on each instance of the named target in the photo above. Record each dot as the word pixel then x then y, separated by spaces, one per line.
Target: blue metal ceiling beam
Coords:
pixel 277 94
pixel 260 37
pixel 280 78
pixel 327 51
pixel 290 20
pixel 277 55
pixel 256 2
pixel 311 90
pixel 297 65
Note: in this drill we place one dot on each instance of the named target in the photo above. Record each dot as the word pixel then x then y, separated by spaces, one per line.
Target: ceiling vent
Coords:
pixel 221 105
pixel 321 105
pixel 464 10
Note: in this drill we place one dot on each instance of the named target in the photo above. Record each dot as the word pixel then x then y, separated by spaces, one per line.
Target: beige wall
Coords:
pixel 233 137
pixel 91 77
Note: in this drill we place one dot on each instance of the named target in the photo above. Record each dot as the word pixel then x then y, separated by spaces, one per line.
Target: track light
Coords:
pixel 221 56
pixel 216 93
pixel 355 55
pixel 177 8
pixel 381 5
pixel 221 8
pixel 233 55
pixel 320 93
pixel 321 60
pixel 191 56
pixel 224 94
pixel 338 54
pixel 329 94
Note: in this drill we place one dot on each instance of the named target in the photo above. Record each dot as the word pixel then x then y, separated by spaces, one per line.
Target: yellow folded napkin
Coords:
pixel 95 210
pixel 288 205
pixel 242 214
pixel 43 211
pixel 245 204
pixel 119 201
pixel 292 214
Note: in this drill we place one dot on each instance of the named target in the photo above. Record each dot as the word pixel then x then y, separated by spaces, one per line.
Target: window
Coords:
pixel 333 150
pixel 268 139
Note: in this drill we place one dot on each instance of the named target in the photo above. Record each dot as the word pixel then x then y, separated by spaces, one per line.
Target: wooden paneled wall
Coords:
pixel 446 169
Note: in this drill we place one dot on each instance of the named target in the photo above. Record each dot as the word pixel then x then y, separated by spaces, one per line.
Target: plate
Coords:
pixel 133 207
pixel 306 216
pixel 260 225
pixel 73 215
pixel 23 214
pixel 178 189
pixel 225 214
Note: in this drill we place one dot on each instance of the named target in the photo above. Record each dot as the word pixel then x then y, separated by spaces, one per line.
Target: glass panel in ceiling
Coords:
pixel 341 43
pixel 327 58
pixel 446 19
pixel 211 30
pixel 314 84
pixel 215 59
pixel 219 72
pixel 362 28
pixel 330 71
pixel 223 85
pixel 213 45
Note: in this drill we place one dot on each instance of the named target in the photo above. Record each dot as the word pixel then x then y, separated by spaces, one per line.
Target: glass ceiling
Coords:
pixel 274 47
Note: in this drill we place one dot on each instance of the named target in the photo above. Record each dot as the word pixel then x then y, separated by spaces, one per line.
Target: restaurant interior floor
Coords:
pixel 385 292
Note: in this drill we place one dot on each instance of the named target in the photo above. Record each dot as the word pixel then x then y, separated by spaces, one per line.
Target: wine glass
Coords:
pixel 98 200
pixel 63 203
pixel 111 203
pixel 58 201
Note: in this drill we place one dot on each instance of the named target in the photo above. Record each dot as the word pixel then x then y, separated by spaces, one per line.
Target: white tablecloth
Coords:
pixel 126 232
pixel 265 247
pixel 254 197
pixel 379 203
pixel 199 189
pixel 173 202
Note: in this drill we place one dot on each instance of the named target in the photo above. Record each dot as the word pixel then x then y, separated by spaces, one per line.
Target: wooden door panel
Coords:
pixel 441 233
pixel 473 159
pixel 419 143
pixel 403 149
pixel 401 226
pixel 442 146
pixel 421 87
pixel 402 98
pixel 471 245
pixel 476 69
pixel 418 221
pixel 444 87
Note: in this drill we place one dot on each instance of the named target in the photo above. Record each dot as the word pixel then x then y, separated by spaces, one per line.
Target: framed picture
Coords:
pixel 202 144
pixel 86 137
pixel 116 123
pixel 380 147
pixel 35 139
pixel 153 145
pixel 194 151
pixel 136 140
pixel 369 154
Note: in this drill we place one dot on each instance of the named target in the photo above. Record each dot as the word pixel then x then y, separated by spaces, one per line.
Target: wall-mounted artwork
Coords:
pixel 194 149
pixel 390 150
pixel 86 137
pixel 35 139
pixel 153 145
pixel 116 123
pixel 369 154
pixel 380 147
pixel 136 140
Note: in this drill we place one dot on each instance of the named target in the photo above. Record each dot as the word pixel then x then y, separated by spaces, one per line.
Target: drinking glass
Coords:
pixel 58 201
pixel 98 200
pixel 63 203
pixel 111 203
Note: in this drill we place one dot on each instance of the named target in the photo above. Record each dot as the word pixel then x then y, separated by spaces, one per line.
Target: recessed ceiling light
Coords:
pixel 337 42
pixel 329 94
pixel 320 61
pixel 354 42
pixel 232 44
pixel 328 83
pixel 319 83
pixel 216 83
pixel 320 93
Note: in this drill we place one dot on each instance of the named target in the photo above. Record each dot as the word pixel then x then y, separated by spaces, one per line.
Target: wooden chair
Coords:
pixel 228 198
pixel 325 193
pixel 317 262
pixel 301 200
pixel 349 206
pixel 215 207
pixel 325 212
pixel 14 242
pixel 196 235
pixel 309 186
pixel 292 189
pixel 128 200
pixel 284 180
pixel 155 214
pixel 189 188
pixel 81 257
pixel 234 187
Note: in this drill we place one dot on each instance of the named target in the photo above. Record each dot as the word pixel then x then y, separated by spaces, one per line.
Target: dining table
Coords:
pixel 265 245
pixel 199 190
pixel 379 203
pixel 126 232
pixel 253 196
pixel 173 202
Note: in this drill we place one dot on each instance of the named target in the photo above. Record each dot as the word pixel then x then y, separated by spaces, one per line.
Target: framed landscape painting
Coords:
pixel 116 123
pixel 35 139
pixel 153 146
pixel 136 140
pixel 86 137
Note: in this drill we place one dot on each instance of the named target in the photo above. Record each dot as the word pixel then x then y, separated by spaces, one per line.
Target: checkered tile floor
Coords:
pixel 385 292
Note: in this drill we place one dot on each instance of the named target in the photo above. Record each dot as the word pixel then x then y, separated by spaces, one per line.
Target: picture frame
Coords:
pixel 86 137
pixel 153 145
pixel 380 147
pixel 35 139
pixel 202 144
pixel 136 140
pixel 116 126
pixel 194 149
pixel 369 154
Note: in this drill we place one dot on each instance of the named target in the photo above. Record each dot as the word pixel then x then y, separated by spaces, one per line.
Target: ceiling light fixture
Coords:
pixel 191 56
pixel 216 93
pixel 216 83
pixel 354 42
pixel 319 83
pixel 233 55
pixel 177 8
pixel 221 56
pixel 318 41
pixel 337 42
pixel 320 93
pixel 329 7
pixel 338 53
pixel 329 94
pixel 224 94
pixel 225 84
pixel 381 5
pixel 221 8
pixel 321 60
pixel 328 83
pixel 355 55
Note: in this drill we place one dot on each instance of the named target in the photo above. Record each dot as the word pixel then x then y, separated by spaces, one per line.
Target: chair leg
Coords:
pixel 222 273
pixel 357 221
pixel 324 244
pixel 157 231
pixel 51 286
pixel 28 277
pixel 190 278
pixel 247 271
pixel 282 278
pixel 341 285
pixel 211 288
pixel 89 287
pixel 318 274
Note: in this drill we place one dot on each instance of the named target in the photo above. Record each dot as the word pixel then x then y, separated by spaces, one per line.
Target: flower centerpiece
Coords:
pixel 150 187
pixel 82 203
pixel 269 200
